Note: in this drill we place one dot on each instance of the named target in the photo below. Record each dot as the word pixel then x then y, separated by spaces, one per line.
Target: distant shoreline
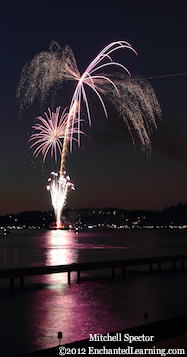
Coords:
pixel 101 218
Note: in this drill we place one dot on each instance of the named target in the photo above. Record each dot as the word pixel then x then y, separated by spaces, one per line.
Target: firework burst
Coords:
pixel 59 186
pixel 45 72
pixel 51 131
pixel 49 135
pixel 133 97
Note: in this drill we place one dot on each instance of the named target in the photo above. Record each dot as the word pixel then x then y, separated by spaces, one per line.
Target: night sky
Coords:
pixel 106 170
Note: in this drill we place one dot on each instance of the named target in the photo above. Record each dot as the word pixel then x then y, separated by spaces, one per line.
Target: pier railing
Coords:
pixel 78 267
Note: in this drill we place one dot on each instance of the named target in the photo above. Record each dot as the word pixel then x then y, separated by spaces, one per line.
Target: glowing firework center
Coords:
pixel 59 186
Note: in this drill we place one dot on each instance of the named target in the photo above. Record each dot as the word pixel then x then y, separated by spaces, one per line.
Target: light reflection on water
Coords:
pixel 96 305
pixel 60 248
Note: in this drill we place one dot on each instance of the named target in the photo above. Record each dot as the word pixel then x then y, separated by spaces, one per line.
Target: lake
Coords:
pixel 31 319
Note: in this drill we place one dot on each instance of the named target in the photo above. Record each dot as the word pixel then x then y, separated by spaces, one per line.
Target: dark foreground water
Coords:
pixel 30 319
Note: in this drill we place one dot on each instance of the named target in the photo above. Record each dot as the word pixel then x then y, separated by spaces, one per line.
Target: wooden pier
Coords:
pixel 78 267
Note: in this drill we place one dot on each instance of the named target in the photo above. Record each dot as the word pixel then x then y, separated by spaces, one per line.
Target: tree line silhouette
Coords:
pixel 101 217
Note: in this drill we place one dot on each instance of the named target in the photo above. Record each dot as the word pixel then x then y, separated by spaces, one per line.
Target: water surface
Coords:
pixel 98 304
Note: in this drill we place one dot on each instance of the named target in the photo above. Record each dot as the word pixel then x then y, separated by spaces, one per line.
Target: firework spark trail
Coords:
pixel 134 98
pixel 141 109
pixel 67 134
pixel 97 82
pixel 46 71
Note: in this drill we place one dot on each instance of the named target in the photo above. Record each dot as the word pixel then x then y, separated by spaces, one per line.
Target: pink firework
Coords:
pixel 96 81
pixel 51 131
pixel 133 97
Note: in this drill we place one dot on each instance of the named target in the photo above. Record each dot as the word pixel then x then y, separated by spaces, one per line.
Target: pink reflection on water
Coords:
pixel 60 251
pixel 61 247
pixel 77 311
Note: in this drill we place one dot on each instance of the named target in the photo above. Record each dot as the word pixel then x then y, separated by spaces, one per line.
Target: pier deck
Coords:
pixel 78 267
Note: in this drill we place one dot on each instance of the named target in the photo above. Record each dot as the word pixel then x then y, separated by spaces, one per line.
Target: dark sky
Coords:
pixel 106 170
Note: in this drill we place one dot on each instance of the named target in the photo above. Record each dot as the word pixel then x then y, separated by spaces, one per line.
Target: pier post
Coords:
pixel 12 283
pixel 78 276
pixel 21 282
pixel 69 277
